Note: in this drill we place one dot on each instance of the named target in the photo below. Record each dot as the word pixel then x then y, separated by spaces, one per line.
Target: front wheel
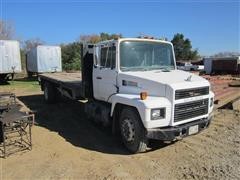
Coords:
pixel 132 131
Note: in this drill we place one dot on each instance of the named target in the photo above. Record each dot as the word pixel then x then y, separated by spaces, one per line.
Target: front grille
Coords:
pixel 186 93
pixel 189 110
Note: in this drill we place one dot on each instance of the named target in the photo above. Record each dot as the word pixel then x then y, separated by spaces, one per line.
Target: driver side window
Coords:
pixel 108 57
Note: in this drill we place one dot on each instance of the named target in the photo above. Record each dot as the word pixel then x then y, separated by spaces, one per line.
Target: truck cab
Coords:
pixel 133 85
pixel 139 76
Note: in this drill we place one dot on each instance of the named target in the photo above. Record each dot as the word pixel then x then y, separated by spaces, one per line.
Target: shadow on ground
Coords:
pixel 68 120
pixel 4 83
pixel 27 79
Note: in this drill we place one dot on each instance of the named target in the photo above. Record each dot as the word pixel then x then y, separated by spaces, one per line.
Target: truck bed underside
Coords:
pixel 69 84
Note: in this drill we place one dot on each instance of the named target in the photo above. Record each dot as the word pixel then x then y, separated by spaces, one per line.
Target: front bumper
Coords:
pixel 177 132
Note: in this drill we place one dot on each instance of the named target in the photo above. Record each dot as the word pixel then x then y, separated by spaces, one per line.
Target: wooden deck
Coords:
pixel 64 77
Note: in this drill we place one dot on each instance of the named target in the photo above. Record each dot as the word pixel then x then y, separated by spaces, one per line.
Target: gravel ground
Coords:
pixel 68 146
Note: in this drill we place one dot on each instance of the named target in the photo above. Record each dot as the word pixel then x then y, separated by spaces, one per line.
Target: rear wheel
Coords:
pixel 3 78
pixel 132 131
pixel 50 93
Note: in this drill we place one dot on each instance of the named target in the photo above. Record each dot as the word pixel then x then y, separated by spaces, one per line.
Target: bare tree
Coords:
pixel 7 30
pixel 226 54
pixel 84 38
pixel 32 43
pixel 93 38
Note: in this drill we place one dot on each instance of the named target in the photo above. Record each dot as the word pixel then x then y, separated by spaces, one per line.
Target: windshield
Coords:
pixel 145 56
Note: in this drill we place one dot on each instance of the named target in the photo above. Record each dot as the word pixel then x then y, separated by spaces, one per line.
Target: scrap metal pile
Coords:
pixel 15 126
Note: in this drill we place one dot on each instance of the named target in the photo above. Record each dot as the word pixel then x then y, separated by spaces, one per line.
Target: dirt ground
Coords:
pixel 68 146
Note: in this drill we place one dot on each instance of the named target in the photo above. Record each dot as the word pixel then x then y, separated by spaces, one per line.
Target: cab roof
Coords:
pixel 132 39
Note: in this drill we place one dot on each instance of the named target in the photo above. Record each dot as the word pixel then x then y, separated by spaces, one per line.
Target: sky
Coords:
pixel 212 26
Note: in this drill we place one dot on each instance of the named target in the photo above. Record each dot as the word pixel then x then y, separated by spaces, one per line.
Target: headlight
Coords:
pixel 158 113
pixel 211 102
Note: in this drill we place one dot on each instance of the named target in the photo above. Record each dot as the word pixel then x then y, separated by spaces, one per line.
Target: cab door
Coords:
pixel 104 72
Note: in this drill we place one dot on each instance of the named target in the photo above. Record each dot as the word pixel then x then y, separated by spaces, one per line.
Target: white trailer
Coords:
pixel 10 59
pixel 43 59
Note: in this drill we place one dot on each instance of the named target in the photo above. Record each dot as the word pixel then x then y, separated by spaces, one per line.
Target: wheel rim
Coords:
pixel 128 130
pixel 46 93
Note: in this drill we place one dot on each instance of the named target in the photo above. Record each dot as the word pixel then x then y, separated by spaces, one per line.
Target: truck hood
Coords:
pixel 159 83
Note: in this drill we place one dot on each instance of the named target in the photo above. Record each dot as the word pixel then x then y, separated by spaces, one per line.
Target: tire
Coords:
pixel 29 74
pixel 3 78
pixel 132 132
pixel 50 93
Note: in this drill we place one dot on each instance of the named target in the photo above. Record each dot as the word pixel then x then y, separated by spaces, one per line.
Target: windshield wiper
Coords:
pixel 163 69
pixel 166 69
pixel 134 68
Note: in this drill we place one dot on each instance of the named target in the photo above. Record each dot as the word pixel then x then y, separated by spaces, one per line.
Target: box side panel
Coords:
pixel 49 59
pixel 32 60
pixel 10 59
pixel 225 65
pixel 57 59
pixel 2 55
pixel 17 65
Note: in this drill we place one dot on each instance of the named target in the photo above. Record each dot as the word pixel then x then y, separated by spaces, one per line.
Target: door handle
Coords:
pixel 98 77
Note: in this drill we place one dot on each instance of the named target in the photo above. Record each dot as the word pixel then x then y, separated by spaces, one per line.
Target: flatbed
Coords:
pixel 69 84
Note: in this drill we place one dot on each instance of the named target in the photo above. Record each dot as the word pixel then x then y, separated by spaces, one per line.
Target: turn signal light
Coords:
pixel 143 95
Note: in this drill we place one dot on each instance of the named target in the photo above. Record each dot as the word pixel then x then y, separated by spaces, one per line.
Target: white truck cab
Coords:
pixel 134 86
pixel 126 68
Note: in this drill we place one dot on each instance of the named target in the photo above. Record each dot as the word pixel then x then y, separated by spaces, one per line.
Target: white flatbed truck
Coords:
pixel 133 85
